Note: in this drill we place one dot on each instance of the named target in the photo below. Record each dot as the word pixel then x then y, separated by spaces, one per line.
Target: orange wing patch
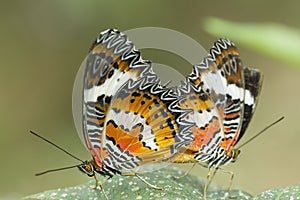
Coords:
pixel 126 139
pixel 154 111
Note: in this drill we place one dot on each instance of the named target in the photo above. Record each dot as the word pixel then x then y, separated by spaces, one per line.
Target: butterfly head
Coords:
pixel 235 154
pixel 87 167
pixel 231 156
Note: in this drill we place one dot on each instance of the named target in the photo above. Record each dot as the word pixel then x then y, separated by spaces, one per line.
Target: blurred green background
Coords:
pixel 44 42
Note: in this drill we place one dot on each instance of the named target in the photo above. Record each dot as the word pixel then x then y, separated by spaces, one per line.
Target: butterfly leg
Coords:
pixel 143 180
pixel 230 182
pixel 100 184
pixel 96 181
pixel 103 192
pixel 209 178
pixel 212 176
pixel 186 172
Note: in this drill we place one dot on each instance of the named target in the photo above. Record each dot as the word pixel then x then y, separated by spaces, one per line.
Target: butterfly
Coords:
pixel 131 123
pixel 222 96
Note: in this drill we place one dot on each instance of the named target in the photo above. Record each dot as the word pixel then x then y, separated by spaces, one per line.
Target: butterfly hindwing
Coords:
pixel 142 127
pixel 222 95
pixel 220 74
pixel 201 113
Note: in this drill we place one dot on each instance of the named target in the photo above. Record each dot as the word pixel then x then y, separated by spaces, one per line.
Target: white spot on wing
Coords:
pixel 249 99
pixel 215 81
pixel 235 92
pixel 109 87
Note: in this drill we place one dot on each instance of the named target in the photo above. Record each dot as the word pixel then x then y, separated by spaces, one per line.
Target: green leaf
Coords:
pixel 125 187
pixel 188 187
pixel 275 40
pixel 288 193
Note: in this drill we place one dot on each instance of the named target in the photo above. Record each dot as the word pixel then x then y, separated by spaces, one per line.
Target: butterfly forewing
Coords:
pixel 253 81
pixel 112 60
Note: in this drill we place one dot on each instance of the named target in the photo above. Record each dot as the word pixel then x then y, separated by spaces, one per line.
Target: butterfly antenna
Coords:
pixel 55 170
pixel 58 147
pixel 260 132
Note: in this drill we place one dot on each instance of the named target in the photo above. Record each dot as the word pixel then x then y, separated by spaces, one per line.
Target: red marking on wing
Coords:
pixel 95 153
pixel 204 136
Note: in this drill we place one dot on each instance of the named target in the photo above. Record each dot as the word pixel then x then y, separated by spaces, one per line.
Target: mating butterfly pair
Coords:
pixel 131 121
pixel 132 124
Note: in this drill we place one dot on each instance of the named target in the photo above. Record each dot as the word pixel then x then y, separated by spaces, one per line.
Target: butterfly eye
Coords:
pixel 86 168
